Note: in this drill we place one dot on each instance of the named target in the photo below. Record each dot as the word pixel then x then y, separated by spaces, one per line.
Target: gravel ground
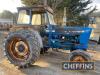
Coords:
pixel 48 64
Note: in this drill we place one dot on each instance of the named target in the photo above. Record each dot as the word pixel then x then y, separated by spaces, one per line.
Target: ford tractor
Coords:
pixel 35 32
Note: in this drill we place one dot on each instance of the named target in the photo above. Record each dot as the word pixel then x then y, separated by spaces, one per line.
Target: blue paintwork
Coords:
pixel 54 41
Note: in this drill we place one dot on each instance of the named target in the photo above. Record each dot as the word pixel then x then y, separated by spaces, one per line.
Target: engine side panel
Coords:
pixel 69 37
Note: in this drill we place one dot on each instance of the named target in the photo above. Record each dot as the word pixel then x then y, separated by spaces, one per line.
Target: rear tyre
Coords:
pixel 79 56
pixel 22 48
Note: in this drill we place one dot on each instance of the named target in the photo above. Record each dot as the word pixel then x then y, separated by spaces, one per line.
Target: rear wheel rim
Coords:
pixel 18 48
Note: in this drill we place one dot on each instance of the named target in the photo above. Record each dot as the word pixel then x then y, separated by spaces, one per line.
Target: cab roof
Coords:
pixel 37 8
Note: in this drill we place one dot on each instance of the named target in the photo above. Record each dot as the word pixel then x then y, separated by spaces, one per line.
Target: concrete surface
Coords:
pixel 48 64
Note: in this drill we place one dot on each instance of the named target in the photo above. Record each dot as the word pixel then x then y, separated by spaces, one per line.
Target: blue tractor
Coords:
pixel 36 32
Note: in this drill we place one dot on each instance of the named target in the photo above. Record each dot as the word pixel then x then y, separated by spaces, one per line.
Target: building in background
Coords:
pixel 95 24
pixel 6 24
pixel 6 21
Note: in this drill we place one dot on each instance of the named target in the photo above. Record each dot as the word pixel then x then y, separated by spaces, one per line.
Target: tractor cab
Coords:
pixel 36 16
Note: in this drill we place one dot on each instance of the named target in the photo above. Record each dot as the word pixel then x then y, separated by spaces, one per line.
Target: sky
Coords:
pixel 11 5
pixel 97 4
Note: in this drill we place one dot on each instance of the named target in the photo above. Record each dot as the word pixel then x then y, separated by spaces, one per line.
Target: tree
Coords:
pixel 6 14
pixel 74 8
pixel 52 3
pixel 30 2
pixel 75 11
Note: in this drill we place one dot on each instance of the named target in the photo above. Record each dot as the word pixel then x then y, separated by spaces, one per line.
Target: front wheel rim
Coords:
pixel 79 58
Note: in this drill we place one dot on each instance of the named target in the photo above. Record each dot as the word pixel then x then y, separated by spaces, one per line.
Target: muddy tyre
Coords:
pixel 79 56
pixel 22 47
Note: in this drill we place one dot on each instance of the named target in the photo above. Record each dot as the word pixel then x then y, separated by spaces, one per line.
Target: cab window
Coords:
pixel 39 19
pixel 36 19
pixel 24 17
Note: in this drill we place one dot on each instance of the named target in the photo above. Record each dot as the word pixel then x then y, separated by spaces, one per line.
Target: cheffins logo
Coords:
pixel 78 65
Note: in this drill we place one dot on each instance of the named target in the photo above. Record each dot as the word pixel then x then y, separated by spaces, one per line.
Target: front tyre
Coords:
pixel 79 56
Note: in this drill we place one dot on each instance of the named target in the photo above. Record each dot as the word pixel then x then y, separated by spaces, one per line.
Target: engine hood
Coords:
pixel 71 30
